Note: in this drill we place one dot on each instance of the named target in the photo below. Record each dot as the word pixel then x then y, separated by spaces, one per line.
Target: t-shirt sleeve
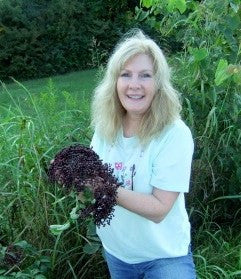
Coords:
pixel 171 167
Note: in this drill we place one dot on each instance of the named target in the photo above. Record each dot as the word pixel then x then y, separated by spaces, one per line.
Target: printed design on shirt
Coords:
pixel 125 174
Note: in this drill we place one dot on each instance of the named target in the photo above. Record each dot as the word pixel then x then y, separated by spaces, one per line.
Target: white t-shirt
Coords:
pixel 164 163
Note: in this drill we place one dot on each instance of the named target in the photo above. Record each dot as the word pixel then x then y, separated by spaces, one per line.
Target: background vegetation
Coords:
pixel 202 40
pixel 42 38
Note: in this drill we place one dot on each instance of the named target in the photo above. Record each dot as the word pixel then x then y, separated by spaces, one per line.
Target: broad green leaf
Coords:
pixel 233 22
pixel 221 73
pixel 199 54
pixel 25 245
pixel 91 248
pixel 147 3
pixel 177 4
pixel 58 229
pixel 181 5
pixel 94 238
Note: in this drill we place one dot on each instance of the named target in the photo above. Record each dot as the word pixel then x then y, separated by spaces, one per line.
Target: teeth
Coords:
pixel 135 97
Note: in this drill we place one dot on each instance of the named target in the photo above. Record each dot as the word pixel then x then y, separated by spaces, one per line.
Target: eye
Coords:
pixel 125 74
pixel 145 75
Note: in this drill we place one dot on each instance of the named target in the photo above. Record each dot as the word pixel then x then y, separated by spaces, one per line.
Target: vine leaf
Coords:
pixel 58 229
pixel 179 4
pixel 222 72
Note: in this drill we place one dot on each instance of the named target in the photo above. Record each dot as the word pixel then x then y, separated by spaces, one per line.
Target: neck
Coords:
pixel 131 125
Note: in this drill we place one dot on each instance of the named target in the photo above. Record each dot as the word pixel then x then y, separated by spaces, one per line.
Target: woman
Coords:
pixel 138 130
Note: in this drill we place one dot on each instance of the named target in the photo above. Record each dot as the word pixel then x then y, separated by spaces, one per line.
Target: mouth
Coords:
pixel 135 97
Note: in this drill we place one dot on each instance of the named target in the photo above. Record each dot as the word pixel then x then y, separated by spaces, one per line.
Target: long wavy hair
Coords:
pixel 107 111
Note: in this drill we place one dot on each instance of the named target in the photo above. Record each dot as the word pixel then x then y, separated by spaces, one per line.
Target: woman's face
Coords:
pixel 136 85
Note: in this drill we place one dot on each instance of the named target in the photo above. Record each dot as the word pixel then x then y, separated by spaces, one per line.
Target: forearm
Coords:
pixel 146 205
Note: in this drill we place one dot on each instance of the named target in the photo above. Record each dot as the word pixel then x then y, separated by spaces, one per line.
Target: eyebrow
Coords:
pixel 144 70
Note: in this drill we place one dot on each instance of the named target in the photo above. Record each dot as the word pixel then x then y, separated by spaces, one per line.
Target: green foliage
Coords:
pixel 37 121
pixel 41 38
pixel 32 131
pixel 32 263
pixel 208 72
pixel 33 127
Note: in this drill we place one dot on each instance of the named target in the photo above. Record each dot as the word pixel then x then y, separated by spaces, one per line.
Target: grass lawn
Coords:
pixel 77 83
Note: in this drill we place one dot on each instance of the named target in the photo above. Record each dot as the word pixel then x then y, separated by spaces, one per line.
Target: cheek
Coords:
pixel 119 86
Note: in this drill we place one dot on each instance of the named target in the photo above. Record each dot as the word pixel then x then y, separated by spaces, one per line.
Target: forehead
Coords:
pixel 140 61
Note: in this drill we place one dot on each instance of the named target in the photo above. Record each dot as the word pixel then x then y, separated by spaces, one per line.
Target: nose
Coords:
pixel 134 83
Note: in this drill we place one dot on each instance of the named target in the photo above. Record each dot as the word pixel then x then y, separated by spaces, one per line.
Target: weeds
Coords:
pixel 31 133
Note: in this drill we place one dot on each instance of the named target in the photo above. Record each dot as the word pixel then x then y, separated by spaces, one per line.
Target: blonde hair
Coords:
pixel 107 111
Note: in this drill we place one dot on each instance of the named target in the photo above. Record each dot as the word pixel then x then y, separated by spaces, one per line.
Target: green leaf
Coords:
pixel 142 15
pixel 233 22
pixel 88 195
pixel 26 246
pixel 58 229
pixel 235 7
pixel 177 4
pixel 237 78
pixel 236 71
pixel 91 248
pixel 91 230
pixel 73 214
pixel 221 73
pixel 199 54
pixel 147 3
pixel 34 271
pixel 39 276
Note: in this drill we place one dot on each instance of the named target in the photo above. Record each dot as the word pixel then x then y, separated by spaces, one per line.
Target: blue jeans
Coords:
pixel 166 268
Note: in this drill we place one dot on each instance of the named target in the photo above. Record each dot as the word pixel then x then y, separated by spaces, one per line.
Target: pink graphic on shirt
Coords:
pixel 118 165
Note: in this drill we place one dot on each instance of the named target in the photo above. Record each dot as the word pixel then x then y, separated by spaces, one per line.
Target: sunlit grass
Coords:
pixel 77 83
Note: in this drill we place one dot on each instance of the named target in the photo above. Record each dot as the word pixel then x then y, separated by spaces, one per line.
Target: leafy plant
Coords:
pixel 208 72
pixel 22 260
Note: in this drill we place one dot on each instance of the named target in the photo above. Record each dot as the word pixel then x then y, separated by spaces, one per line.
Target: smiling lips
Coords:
pixel 135 97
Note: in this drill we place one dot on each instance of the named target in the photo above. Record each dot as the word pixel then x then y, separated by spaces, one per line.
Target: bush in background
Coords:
pixel 42 38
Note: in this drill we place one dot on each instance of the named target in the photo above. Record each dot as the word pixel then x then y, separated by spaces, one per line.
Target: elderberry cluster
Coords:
pixel 76 167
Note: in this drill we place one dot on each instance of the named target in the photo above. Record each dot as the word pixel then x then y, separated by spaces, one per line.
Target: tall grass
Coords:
pixel 32 131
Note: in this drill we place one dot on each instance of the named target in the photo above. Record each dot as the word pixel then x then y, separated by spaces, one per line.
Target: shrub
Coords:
pixel 41 38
